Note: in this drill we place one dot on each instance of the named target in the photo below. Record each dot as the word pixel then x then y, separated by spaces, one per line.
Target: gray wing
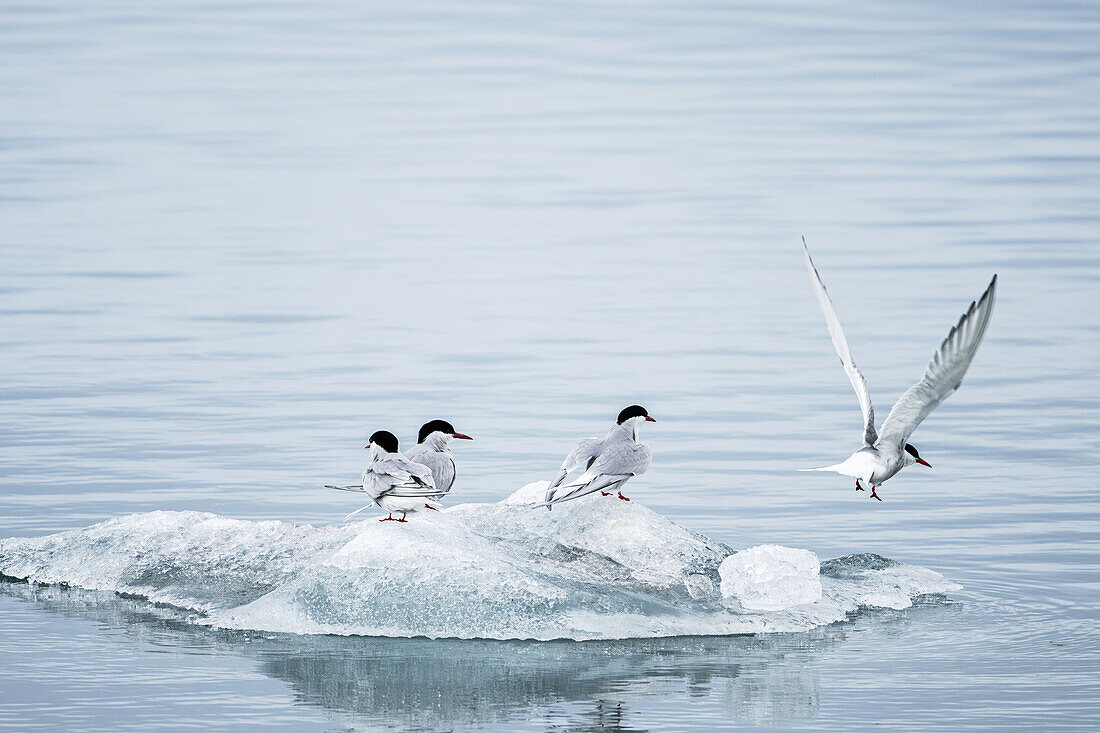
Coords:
pixel 622 457
pixel 411 491
pixel 855 376
pixel 584 486
pixel 617 463
pixel 442 465
pixel 944 372
pixel 405 477
pixel 446 475
pixel 583 455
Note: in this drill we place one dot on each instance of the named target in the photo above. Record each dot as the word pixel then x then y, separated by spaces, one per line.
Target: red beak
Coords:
pixel 649 419
pixel 923 462
pixel 460 436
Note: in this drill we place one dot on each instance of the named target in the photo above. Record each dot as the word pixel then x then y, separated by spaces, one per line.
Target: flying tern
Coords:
pixel 607 462
pixel 434 451
pixel 393 482
pixel 885 453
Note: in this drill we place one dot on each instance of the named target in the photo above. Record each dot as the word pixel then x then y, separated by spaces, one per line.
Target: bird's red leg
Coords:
pixel 623 497
pixel 873 494
pixel 858 487
pixel 402 519
pixel 388 519
pixel 605 493
pixel 429 506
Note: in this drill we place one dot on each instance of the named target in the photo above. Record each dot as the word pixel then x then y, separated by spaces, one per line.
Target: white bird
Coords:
pixel 884 454
pixel 608 462
pixel 433 450
pixel 393 482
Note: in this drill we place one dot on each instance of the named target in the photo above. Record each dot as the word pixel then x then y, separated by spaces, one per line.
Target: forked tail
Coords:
pixel 357 511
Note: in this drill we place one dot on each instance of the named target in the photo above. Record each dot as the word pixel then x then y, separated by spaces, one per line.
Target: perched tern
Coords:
pixel 884 454
pixel 393 482
pixel 433 450
pixel 608 462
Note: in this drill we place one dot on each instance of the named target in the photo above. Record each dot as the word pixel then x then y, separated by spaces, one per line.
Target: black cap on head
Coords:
pixel 435 425
pixel 385 440
pixel 911 451
pixel 632 411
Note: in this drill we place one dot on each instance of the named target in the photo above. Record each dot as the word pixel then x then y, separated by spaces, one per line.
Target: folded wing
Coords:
pixel 944 372
pixel 585 485
pixel 583 456
pixel 405 478
pixel 616 463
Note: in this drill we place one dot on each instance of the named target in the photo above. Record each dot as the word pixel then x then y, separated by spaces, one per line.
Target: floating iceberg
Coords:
pixel 591 569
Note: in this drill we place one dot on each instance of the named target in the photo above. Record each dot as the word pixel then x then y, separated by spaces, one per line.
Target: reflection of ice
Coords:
pixel 422 684
pixel 590 569
pixel 774 695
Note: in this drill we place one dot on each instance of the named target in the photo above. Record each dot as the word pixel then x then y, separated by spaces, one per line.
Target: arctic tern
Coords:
pixel 433 450
pixel 608 462
pixel 885 453
pixel 393 482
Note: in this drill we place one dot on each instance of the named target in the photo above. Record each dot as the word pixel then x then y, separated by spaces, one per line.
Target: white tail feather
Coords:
pixel 357 511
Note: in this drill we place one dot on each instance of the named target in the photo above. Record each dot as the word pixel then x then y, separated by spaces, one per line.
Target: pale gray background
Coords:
pixel 239 237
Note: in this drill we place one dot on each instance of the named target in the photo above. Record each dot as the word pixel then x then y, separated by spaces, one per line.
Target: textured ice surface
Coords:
pixel 592 568
pixel 771 578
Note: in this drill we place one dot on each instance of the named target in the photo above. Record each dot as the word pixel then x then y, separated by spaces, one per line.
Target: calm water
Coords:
pixel 237 238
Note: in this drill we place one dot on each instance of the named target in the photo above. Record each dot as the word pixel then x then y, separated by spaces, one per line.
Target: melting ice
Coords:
pixel 497 571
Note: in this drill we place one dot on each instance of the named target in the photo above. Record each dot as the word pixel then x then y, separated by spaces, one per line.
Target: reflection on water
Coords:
pixel 430 685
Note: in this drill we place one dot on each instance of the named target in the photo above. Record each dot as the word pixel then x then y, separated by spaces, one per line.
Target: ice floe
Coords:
pixel 593 568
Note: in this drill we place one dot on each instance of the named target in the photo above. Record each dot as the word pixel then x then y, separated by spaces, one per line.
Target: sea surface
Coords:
pixel 236 238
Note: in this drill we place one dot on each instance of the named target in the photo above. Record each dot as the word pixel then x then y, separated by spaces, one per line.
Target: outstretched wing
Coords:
pixel 944 373
pixel 855 376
